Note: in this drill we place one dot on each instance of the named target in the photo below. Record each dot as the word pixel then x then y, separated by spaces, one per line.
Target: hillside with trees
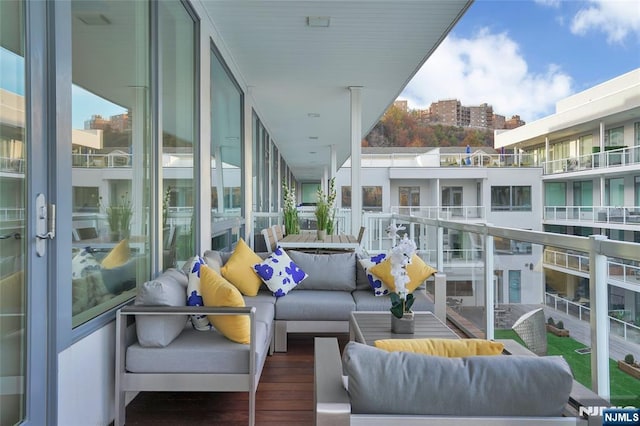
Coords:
pixel 400 128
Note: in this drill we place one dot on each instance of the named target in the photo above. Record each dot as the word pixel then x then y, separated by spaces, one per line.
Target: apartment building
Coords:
pixel 590 153
pixel 475 186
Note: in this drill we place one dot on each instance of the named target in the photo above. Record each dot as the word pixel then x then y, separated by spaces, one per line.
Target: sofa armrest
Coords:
pixel 332 406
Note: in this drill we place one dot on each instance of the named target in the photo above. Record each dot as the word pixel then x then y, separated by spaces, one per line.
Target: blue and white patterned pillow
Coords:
pixel 377 285
pixel 194 296
pixel 279 272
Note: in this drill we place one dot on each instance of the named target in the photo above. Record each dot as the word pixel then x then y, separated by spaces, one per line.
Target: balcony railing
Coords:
pixel 611 158
pixel 623 329
pixel 470 213
pixel 594 215
pixel 476 159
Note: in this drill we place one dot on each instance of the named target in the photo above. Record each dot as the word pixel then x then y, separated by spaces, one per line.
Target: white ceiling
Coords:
pixel 293 70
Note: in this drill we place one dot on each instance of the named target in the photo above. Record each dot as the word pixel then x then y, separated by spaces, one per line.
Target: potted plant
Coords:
pixel 630 366
pixel 557 328
pixel 289 210
pixel 126 213
pixel 325 211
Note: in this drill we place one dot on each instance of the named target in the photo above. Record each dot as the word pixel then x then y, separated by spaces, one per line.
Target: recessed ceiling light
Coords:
pixel 313 115
pixel 312 152
pixel 313 138
pixel 318 21
pixel 94 19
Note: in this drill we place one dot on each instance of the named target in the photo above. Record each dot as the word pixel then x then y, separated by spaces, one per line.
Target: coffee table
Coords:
pixel 367 327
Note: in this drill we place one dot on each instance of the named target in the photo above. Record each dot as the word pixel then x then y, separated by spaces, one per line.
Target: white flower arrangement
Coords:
pixel 400 256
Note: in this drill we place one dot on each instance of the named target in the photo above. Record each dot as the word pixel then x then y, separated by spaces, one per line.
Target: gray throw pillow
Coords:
pixel 383 382
pixel 169 289
pixel 326 271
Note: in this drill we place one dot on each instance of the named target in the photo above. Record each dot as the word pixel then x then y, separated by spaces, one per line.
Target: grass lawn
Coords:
pixel 625 390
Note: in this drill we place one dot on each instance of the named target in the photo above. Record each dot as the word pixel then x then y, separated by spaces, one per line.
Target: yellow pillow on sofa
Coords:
pixel 452 348
pixel 217 292
pixel 118 256
pixel 418 272
pixel 239 269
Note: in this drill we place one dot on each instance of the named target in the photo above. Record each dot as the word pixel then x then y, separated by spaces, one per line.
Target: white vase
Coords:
pixel 404 325
pixel 322 234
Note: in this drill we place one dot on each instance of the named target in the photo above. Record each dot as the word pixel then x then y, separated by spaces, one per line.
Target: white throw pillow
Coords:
pixel 279 272
pixel 377 285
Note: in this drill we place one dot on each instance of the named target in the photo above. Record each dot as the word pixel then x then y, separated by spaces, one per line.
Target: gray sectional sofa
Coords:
pixel 166 353
pixel 413 389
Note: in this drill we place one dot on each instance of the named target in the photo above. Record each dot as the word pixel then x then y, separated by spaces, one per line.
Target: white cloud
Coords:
pixel 487 68
pixel 616 18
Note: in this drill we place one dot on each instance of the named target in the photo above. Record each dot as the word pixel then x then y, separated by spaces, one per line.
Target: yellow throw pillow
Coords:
pixel 239 269
pixel 217 292
pixel 118 256
pixel 418 272
pixel 452 348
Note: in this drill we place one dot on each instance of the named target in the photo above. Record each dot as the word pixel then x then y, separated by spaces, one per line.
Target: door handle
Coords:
pixel 45 223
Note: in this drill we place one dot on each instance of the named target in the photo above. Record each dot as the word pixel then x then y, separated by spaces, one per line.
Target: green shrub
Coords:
pixel 628 358
pixel 551 322
pixel 560 325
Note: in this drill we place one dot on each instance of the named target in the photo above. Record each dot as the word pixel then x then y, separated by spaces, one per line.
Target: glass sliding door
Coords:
pixel 110 149
pixel 177 38
pixel 13 186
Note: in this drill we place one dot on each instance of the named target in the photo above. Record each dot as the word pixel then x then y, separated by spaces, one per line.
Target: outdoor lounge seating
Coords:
pixel 168 354
pixel 538 394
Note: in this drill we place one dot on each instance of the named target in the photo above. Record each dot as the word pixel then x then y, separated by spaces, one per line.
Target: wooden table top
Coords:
pixel 367 327
pixel 310 240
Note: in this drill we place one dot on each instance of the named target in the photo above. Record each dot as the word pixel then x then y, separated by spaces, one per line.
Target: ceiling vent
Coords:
pixel 318 21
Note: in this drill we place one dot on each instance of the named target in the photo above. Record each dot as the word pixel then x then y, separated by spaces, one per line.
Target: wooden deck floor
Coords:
pixel 284 397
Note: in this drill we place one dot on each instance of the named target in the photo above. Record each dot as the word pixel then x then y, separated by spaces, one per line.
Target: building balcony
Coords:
pixel 615 217
pixel 612 157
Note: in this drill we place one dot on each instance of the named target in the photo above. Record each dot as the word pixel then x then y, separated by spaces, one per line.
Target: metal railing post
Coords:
pixel 599 319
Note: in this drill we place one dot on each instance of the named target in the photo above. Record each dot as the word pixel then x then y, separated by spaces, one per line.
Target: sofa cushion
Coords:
pixel 367 301
pixel 376 284
pixel 194 293
pixel 238 270
pixel 118 255
pixel 418 272
pixel 382 382
pixel 442 347
pixel 198 352
pixel 362 283
pixel 218 292
pixel 315 305
pixel 326 271
pixel 279 272
pixel 166 290
pixel 213 260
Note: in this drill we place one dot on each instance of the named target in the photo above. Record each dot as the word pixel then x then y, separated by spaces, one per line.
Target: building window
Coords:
pixel 409 196
pixel 614 192
pixel 511 198
pixel 371 198
pixel 459 288
pixel 110 118
pixel 614 137
pixel 226 142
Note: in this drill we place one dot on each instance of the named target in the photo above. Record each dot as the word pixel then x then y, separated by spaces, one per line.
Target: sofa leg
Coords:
pixel 252 407
pixel 281 336
pixel 121 408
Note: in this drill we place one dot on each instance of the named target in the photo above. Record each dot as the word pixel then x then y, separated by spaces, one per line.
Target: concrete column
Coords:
pixel 546 154
pixel 356 140
pixel 599 319
pixel 440 296
pixel 334 167
pixel 247 168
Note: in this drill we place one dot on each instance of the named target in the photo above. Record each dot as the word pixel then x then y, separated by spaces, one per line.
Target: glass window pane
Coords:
pixel 500 197
pixel 177 53
pixel 110 147
pixel 226 145
pixel 12 215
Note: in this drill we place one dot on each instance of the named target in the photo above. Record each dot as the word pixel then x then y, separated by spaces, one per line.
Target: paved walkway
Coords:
pixel 579 329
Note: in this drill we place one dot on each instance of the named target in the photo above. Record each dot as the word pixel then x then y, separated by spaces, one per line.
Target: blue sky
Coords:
pixel 521 56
